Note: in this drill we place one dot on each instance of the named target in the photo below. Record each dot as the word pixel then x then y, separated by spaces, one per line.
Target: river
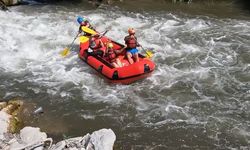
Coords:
pixel 197 98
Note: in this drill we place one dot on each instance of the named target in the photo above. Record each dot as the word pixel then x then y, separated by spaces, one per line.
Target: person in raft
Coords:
pixel 84 22
pixel 112 56
pixel 131 44
pixel 96 44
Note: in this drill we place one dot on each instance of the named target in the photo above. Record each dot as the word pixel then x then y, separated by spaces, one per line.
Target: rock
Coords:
pixel 103 139
pixel 33 138
pixel 78 142
pixel 13 107
pixel 4 123
pixel 9 109
pixel 14 124
pixel 31 134
pixel 30 138
pixel 9 120
pixel 11 2
pixel 3 6
pixel 2 105
pixel 95 3
pixel 99 140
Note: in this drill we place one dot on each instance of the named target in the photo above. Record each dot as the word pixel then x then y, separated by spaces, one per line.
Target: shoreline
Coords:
pixel 33 138
pixel 231 9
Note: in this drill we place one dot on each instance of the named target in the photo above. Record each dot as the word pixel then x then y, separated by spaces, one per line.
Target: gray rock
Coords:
pixel 11 2
pixel 29 138
pixel 99 140
pixel 33 138
pixel 2 105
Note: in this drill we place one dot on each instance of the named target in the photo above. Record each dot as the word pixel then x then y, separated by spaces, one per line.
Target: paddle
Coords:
pixel 66 51
pixel 88 30
pixel 149 53
pixel 104 34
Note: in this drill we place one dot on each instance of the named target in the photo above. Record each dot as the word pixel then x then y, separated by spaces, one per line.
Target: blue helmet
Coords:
pixel 80 20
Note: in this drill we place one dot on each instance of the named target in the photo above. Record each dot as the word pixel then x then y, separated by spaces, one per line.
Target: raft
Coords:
pixel 127 74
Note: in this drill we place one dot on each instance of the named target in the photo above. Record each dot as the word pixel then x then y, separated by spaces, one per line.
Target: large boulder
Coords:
pixel 99 140
pixel 30 138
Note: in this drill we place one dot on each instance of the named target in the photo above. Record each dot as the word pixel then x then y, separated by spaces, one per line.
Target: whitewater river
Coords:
pixel 197 98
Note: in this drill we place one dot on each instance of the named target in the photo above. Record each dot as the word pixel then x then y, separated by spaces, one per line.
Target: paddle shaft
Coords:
pixel 71 45
pixel 102 34
pixel 145 51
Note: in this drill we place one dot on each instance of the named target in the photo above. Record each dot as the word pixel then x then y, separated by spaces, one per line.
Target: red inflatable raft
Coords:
pixel 126 74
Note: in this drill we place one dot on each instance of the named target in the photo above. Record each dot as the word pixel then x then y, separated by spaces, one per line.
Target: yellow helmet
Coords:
pixel 110 45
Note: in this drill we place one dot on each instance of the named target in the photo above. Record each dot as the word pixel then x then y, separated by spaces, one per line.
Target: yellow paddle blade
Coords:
pixel 149 54
pixel 65 52
pixel 88 30
pixel 83 39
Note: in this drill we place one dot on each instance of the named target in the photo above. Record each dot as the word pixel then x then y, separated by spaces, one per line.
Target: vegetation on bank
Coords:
pixel 13 108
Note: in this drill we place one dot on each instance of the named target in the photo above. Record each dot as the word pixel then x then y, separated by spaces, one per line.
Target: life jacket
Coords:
pixel 94 43
pixel 131 42
pixel 111 55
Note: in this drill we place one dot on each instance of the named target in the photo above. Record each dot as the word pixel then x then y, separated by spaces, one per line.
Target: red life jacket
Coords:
pixel 94 43
pixel 131 42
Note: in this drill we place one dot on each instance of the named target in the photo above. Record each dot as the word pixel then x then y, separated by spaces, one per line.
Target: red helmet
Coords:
pixel 131 31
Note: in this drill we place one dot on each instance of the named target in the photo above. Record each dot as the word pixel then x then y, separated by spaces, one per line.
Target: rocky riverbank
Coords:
pixel 33 138
pixel 11 2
